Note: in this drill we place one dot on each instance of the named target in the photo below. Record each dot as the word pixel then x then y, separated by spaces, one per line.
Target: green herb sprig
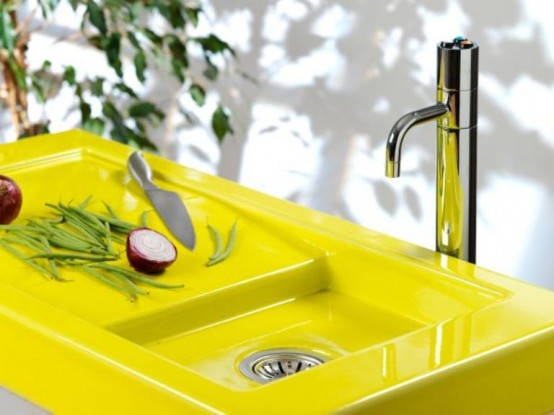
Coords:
pixel 219 254
pixel 75 237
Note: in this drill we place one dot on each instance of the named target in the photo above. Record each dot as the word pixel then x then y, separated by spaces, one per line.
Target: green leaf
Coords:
pixel 145 109
pixel 152 37
pixel 96 41
pixel 79 91
pixel 19 73
pixel 220 123
pixel 192 14
pixel 47 7
pixel 163 9
pixel 139 139
pixel 96 16
pixel 198 94
pixel 136 138
pixel 132 12
pixel 178 70
pixel 179 56
pixel 7 32
pixel 111 112
pixel 211 72
pixel 176 17
pixel 113 49
pixel 140 65
pixel 140 126
pixel 178 50
pixel 44 83
pixel 97 87
pixel 69 75
pixel 118 131
pixel 134 41
pixel 86 110
pixel 38 89
pixel 74 4
pixel 120 86
pixel 95 125
pixel 214 44
pixel 141 109
pixel 46 65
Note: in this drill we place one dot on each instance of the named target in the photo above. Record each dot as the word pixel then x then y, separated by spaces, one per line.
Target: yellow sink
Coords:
pixel 390 327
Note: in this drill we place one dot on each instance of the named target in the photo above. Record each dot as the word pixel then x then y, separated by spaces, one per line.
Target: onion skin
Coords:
pixel 143 254
pixel 11 200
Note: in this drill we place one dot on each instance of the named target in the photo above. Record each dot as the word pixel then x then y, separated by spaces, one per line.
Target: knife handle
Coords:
pixel 140 170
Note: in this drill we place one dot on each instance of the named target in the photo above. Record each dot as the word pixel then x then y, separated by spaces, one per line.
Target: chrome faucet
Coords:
pixel 456 115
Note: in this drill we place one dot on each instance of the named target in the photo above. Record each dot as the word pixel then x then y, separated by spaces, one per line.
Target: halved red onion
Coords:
pixel 10 200
pixel 149 251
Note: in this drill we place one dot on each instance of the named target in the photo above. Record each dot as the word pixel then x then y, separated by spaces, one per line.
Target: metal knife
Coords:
pixel 167 204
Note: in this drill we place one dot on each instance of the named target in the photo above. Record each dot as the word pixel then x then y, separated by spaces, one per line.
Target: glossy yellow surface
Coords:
pixel 406 330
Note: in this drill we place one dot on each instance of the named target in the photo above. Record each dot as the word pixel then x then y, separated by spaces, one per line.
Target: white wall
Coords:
pixel 330 80
pixel 334 77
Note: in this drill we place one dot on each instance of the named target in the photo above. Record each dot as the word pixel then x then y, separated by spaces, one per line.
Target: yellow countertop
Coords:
pixel 403 329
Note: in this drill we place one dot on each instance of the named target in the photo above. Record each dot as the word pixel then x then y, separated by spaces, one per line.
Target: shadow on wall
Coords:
pixel 337 101
pixel 384 66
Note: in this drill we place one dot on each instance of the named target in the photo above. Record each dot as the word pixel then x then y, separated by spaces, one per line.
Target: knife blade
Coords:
pixel 167 204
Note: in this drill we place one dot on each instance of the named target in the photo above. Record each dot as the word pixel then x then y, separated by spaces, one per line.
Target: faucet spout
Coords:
pixel 399 130
pixel 456 115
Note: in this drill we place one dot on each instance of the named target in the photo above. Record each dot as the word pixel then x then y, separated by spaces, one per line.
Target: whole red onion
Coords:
pixel 10 200
pixel 149 251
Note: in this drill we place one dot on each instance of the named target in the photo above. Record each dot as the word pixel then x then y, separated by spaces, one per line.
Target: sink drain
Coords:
pixel 269 365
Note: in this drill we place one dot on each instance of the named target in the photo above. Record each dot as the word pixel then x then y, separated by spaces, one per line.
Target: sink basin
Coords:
pixel 393 328
pixel 334 306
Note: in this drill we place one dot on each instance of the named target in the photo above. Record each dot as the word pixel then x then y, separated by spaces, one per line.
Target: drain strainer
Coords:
pixel 269 365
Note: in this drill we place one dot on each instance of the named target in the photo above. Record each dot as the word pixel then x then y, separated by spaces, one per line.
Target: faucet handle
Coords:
pixel 457 64
pixel 459 42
